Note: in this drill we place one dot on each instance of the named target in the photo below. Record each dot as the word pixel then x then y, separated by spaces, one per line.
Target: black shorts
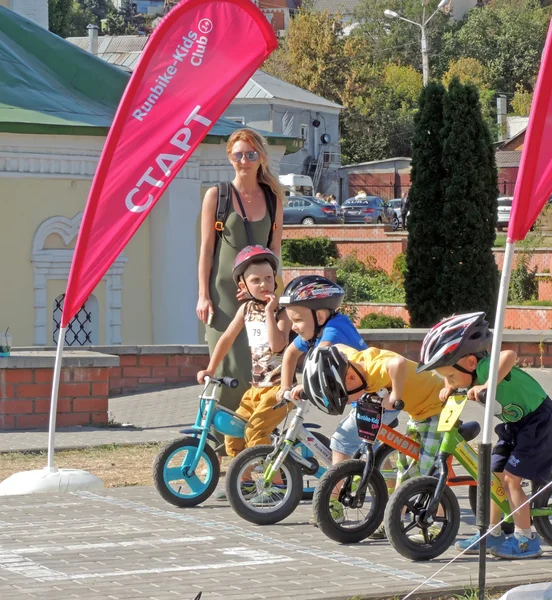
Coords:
pixel 524 448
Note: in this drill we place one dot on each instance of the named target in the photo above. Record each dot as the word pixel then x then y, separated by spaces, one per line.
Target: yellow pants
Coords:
pixel 256 408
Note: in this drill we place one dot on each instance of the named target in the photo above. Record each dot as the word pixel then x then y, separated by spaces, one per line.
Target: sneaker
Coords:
pixel 268 497
pixel 336 511
pixel 432 532
pixel 493 541
pixel 220 495
pixel 379 534
pixel 522 547
pixel 248 488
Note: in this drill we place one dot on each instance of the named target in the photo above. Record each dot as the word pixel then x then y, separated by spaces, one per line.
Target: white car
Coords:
pixel 503 212
pixel 395 204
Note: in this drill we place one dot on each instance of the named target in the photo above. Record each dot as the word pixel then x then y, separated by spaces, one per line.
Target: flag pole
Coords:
pixel 491 407
pixel 54 398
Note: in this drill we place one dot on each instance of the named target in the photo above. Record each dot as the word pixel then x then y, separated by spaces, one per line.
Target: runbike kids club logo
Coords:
pixel 192 47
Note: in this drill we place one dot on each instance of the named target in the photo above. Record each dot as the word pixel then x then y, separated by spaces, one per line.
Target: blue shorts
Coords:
pixel 524 447
pixel 345 438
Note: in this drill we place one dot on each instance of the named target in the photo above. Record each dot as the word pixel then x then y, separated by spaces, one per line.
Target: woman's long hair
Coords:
pixel 264 174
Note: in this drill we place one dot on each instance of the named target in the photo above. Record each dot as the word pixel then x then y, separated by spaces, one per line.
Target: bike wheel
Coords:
pixel 385 461
pixel 311 481
pixel 354 524
pixel 245 491
pixel 543 524
pixel 168 473
pixel 405 509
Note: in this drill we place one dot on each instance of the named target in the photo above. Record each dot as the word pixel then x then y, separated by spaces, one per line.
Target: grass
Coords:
pixel 500 240
pixel 118 466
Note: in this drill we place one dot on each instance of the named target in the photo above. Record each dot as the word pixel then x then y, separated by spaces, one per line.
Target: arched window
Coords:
pixel 83 327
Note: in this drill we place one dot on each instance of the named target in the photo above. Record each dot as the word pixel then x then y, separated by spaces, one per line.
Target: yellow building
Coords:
pixel 56 106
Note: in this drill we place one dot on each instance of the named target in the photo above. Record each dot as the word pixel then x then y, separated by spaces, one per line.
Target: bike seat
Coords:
pixel 469 430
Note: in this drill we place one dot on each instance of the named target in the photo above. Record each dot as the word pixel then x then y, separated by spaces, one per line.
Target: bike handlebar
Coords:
pixel 227 381
pixel 482 396
pixel 398 405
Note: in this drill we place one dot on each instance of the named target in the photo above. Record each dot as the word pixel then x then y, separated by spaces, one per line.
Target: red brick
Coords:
pixel 180 379
pixel 115 383
pixel 18 375
pixel 136 372
pixel 130 383
pixel 128 360
pixel 6 390
pixel 31 421
pixel 74 389
pixel 89 404
pixel 99 418
pixel 164 371
pixel 115 372
pixel 43 406
pixel 189 371
pixel 89 374
pixel 181 360
pixel 15 407
pixel 33 390
pixel 153 360
pixel 100 389
pixel 43 375
pixel 7 422
pixel 151 380
pixel 72 419
pixel 529 349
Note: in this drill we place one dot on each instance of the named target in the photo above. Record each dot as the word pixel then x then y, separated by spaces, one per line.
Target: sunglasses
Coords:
pixel 251 156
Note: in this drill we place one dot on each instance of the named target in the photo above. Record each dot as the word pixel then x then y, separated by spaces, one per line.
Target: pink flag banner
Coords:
pixel 196 61
pixel 534 183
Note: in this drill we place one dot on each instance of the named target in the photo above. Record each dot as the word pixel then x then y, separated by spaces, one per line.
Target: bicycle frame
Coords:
pixel 284 446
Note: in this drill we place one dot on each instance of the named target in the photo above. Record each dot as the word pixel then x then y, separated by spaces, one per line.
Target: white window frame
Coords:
pixel 304 134
pixel 240 120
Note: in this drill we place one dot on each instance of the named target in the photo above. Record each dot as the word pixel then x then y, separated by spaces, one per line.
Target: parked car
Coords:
pixel 367 209
pixel 309 211
pixel 503 213
pixel 395 204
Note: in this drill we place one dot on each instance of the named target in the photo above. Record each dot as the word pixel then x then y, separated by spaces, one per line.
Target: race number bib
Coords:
pixel 368 419
pixel 257 333
pixel 451 412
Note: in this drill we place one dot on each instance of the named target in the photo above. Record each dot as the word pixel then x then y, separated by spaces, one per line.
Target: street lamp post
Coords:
pixel 425 55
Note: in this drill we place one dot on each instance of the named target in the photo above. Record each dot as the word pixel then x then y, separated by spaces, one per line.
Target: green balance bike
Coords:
pixel 422 517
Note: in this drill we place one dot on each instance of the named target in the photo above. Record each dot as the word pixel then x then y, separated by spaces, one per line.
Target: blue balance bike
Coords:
pixel 186 472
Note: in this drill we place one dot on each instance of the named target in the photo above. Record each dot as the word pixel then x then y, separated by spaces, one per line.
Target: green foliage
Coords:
pixel 506 37
pixel 377 321
pixel 308 252
pixel 521 102
pixel 424 298
pixel 523 282
pixel 399 268
pixel 366 283
pixel 468 276
pixel 59 17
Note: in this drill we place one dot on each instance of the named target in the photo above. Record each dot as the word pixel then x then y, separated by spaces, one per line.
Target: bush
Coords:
pixel 377 321
pixel 399 268
pixel 366 283
pixel 523 282
pixel 308 252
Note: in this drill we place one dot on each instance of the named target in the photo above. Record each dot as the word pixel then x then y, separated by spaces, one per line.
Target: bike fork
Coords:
pixel 442 466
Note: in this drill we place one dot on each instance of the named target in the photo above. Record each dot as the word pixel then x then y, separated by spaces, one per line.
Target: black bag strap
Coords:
pixel 223 208
pixel 248 231
pixel 270 198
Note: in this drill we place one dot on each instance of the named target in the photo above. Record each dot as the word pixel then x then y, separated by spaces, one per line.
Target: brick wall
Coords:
pixel 25 397
pixel 289 273
pixel 541 259
pixel 361 232
pixel 545 287
pixel 139 371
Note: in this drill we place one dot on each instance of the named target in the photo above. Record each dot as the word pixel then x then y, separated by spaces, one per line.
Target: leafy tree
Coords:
pixel 506 37
pixel 468 277
pixel 59 17
pixel 424 296
pixel 521 102
pixel 99 8
pixel 115 24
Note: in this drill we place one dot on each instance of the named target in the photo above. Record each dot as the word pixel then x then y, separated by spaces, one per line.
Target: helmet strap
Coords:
pixel 318 328
pixel 362 387
pixel 462 370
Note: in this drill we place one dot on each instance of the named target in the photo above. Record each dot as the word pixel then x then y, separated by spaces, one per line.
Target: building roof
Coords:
pixel 125 50
pixel 507 158
pixel 344 7
pixel 265 86
pixel 378 162
pixel 48 85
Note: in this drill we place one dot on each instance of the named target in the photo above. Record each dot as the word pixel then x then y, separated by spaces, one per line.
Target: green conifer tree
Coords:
pixel 424 298
pixel 468 275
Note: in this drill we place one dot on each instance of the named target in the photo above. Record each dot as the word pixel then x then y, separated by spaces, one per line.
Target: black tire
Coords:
pixel 342 532
pixel 162 473
pixel 414 496
pixel 379 221
pixel 308 221
pixel 395 224
pixel 507 528
pixel 308 491
pixel 381 455
pixel 543 525
pixel 263 515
